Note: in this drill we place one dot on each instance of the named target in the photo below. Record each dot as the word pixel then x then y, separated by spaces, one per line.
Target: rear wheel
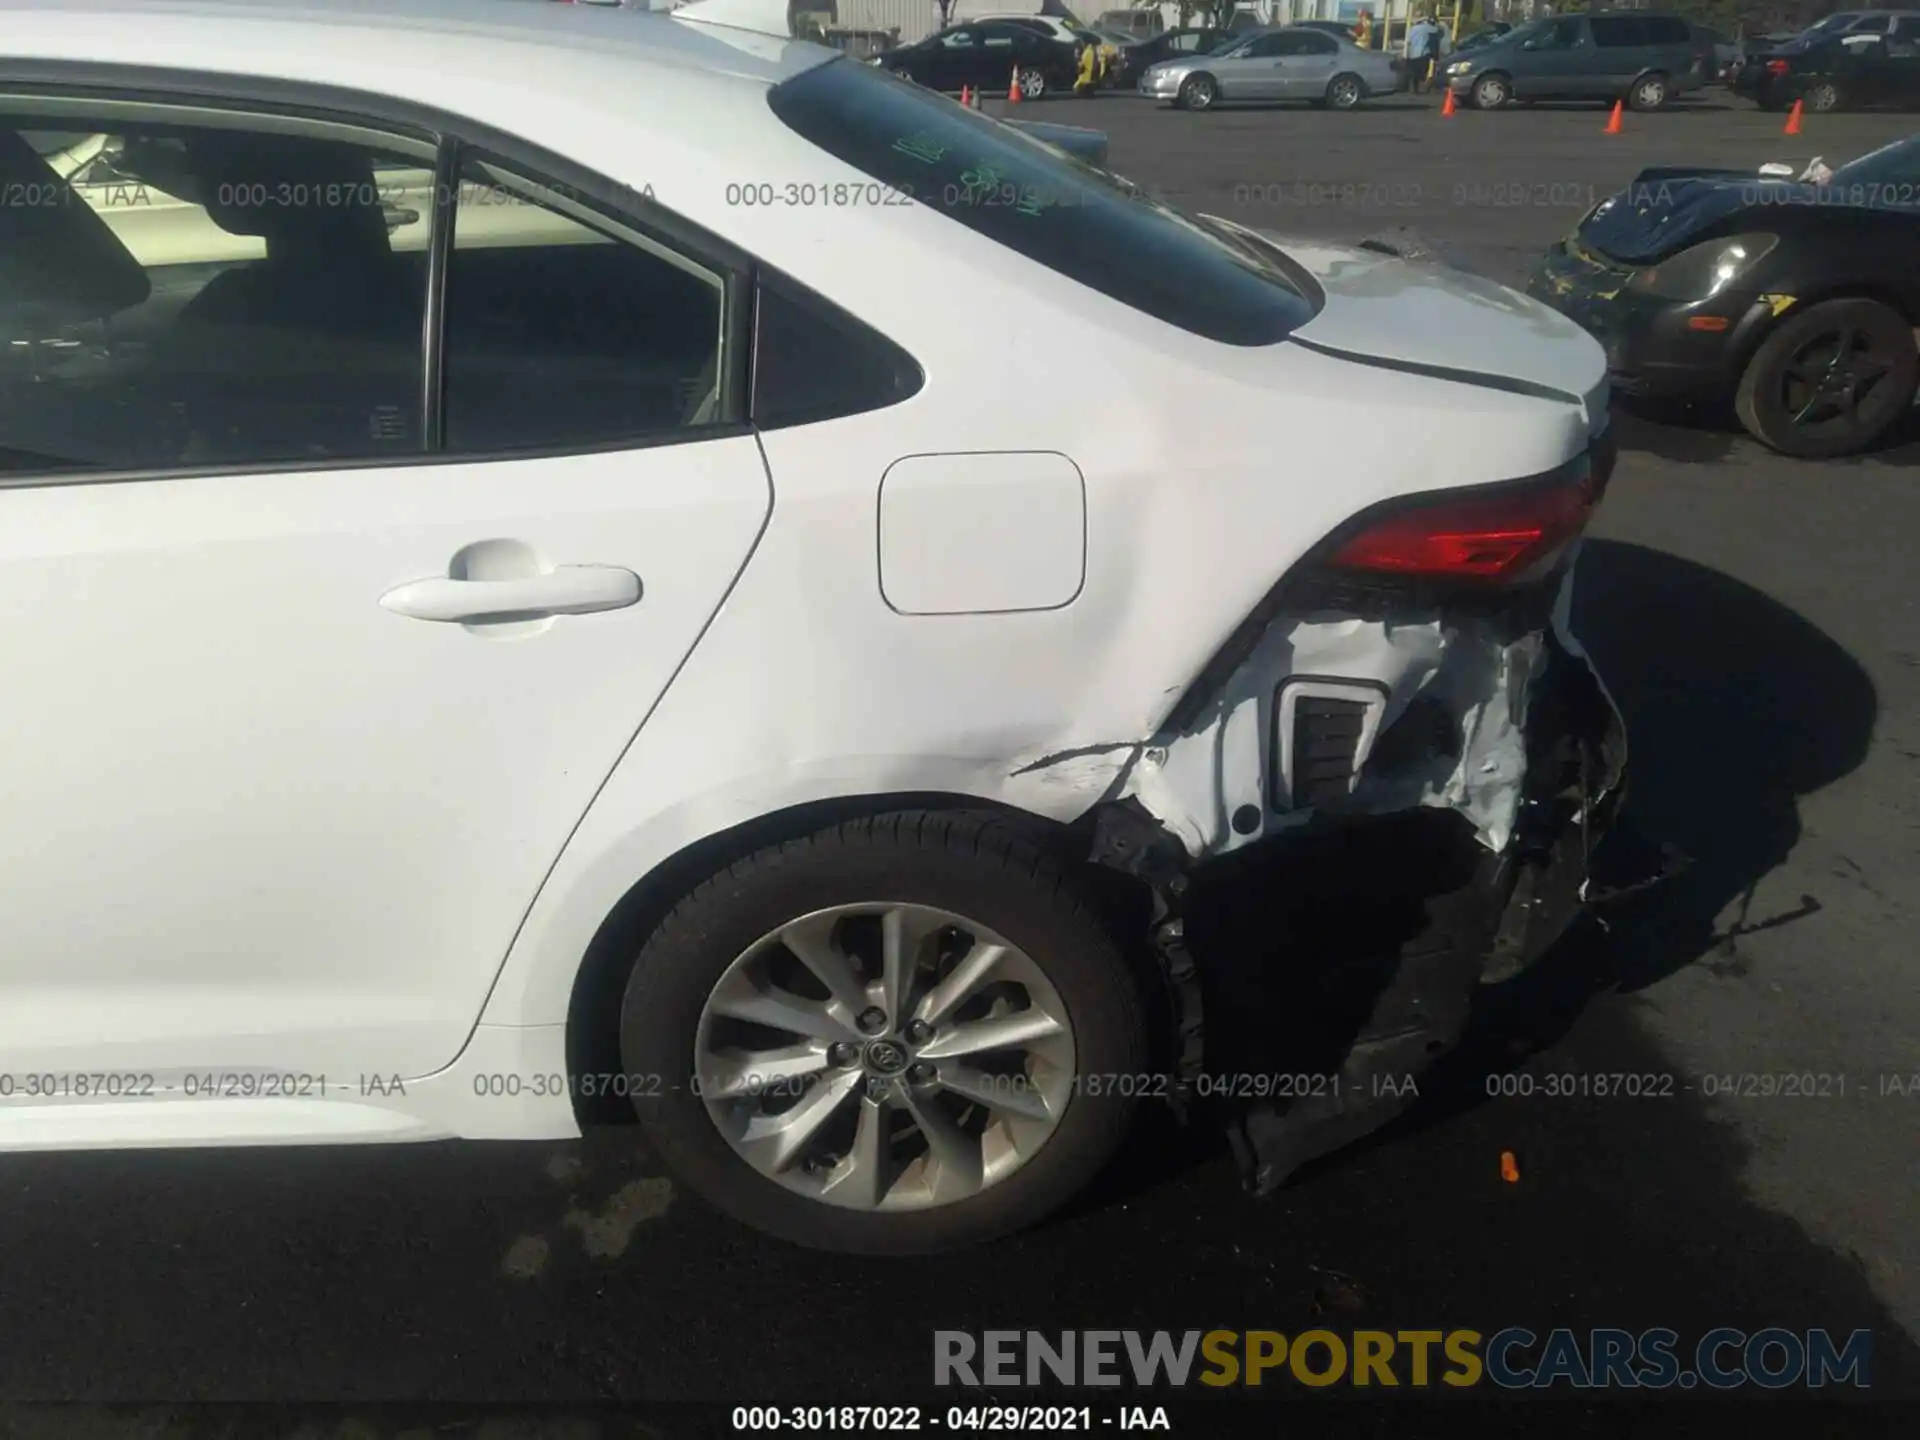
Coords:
pixel 1032 82
pixel 1831 381
pixel 1823 97
pixel 1344 92
pixel 886 1038
pixel 1650 92
pixel 1490 92
pixel 1197 92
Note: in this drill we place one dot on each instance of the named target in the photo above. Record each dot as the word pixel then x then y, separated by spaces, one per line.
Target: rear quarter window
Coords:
pixel 1082 223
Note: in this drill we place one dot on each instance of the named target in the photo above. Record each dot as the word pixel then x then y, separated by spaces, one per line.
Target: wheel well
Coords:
pixel 1905 306
pixel 593 1011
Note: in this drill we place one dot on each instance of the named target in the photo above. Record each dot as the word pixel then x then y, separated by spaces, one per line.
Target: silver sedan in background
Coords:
pixel 1291 62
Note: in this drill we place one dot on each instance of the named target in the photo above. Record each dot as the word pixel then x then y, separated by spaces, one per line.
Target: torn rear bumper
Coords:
pixel 1433 789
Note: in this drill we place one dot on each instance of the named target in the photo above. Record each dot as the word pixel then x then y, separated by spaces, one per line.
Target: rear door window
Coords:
pixel 1083 223
pixel 1618 32
pixel 188 288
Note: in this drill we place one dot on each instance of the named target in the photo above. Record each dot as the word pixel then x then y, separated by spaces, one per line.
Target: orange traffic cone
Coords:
pixel 1613 120
pixel 966 97
pixel 1013 87
pixel 1793 119
pixel 1446 105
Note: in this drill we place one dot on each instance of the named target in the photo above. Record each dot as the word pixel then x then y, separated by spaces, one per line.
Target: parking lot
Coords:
pixel 1750 615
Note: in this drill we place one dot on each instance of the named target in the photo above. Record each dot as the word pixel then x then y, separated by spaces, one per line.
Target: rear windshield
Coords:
pixel 1082 222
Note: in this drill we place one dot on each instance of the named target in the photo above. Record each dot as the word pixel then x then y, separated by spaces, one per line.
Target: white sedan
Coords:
pixel 520 603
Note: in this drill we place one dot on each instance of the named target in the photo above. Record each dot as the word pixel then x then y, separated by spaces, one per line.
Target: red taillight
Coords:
pixel 1496 537
pixel 1777 67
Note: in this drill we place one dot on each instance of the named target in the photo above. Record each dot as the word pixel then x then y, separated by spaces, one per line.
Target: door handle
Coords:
pixel 565 590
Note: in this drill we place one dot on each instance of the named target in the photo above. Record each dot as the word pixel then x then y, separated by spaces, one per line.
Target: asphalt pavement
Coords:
pixel 1751 615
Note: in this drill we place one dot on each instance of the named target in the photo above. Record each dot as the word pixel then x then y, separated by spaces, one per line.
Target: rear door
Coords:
pixel 1559 63
pixel 307 680
pixel 1900 78
pixel 958 58
pixel 1315 54
pixel 1620 52
pixel 1259 70
pixel 1005 48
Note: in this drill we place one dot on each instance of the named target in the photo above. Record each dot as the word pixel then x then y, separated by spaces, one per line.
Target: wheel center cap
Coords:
pixel 885 1057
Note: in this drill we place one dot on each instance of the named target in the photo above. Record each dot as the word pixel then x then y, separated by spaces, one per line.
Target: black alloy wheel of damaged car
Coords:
pixel 887 1037
pixel 1830 381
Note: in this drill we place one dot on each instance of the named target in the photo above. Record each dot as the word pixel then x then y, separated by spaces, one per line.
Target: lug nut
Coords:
pixel 843 1053
pixel 873 1020
pixel 921 1074
pixel 919 1032
pixel 877 1087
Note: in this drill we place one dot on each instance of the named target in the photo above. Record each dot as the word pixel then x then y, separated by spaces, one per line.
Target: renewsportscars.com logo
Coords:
pixel 1514 1358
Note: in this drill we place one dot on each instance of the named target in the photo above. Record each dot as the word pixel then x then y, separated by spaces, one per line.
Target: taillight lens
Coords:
pixel 1776 67
pixel 1497 538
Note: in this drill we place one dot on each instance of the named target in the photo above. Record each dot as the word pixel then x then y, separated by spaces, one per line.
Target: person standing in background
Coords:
pixel 1423 41
pixel 1363 30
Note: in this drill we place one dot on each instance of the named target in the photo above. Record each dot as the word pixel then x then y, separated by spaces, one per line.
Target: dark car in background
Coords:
pixel 990 55
pixel 1795 299
pixel 1850 71
pixel 1178 44
pixel 1642 57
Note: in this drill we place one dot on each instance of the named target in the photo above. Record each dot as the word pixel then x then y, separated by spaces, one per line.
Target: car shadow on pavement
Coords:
pixel 1736 706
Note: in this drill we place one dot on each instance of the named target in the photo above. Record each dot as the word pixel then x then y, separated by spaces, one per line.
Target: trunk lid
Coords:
pixel 1410 313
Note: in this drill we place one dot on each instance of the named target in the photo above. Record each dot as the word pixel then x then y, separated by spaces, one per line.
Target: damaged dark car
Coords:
pixel 1793 294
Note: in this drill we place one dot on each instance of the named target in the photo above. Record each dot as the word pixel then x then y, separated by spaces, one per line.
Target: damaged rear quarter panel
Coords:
pixel 1468 675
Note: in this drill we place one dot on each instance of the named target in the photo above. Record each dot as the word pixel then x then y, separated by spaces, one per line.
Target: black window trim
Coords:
pixel 452 136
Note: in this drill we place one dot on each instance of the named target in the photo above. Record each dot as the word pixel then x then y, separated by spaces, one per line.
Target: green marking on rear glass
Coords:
pixel 925 147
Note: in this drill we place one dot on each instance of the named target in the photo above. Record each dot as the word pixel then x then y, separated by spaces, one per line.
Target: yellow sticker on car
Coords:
pixel 1779 303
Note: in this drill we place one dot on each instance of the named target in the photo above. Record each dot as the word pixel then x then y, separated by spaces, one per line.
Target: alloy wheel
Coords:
pixel 1345 93
pixel 1033 84
pixel 885 1057
pixel 1826 382
pixel 1822 98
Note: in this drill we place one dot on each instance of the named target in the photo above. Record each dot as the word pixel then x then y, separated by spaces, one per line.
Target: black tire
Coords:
pixel 970 864
pixel 1823 97
pixel 1198 92
pixel 1766 397
pixel 1491 91
pixel 1650 92
pixel 1345 92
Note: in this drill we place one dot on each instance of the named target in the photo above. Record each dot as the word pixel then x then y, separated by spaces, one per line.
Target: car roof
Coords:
pixel 327 42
